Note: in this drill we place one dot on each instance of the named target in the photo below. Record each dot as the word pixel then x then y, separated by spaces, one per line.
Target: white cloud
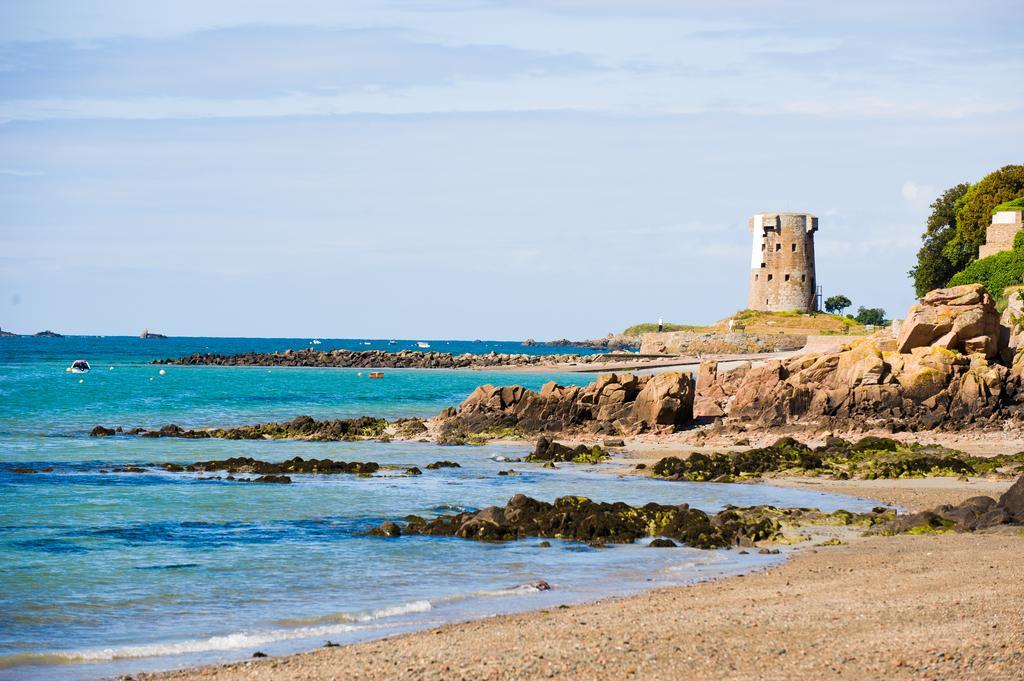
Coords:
pixel 917 194
pixel 19 173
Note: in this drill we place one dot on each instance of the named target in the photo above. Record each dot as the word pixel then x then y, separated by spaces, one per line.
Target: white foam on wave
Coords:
pixel 364 616
pixel 235 641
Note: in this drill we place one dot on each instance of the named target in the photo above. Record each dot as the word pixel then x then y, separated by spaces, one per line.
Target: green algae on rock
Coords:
pixel 299 428
pixel 870 458
pixel 549 450
pixel 580 519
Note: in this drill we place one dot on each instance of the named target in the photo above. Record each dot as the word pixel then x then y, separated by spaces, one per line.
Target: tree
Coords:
pixel 933 269
pixel 974 212
pixel 871 315
pixel 836 304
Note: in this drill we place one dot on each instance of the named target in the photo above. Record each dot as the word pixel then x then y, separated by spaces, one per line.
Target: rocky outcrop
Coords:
pixel 615 404
pixel 611 342
pixel 696 343
pixel 942 370
pixel 380 359
pixel 47 334
pixel 961 318
pixel 1011 326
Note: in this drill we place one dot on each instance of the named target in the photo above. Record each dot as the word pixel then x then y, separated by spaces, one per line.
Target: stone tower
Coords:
pixel 782 262
pixel 1000 234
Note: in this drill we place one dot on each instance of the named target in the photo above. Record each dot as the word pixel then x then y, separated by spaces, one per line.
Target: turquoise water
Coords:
pixel 105 573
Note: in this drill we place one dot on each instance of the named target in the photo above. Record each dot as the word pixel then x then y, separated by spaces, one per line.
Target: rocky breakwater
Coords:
pixel 615 404
pixel 950 366
pixel 380 359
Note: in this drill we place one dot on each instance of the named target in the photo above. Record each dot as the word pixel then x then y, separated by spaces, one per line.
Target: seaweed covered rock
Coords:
pixel 549 450
pixel 442 464
pixel 976 513
pixel 266 468
pixel 615 404
pixel 869 458
pixel 580 519
pixel 299 428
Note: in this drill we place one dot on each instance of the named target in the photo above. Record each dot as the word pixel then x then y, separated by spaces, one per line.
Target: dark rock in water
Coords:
pixel 387 529
pixel 640 466
pixel 295 465
pixel 1013 501
pixel 544 545
pixel 581 519
pixel 331 644
pixel 442 464
pixel 47 334
pixel 412 470
pixel 23 471
pixel 549 450
pixel 259 653
pixel 100 431
pixel 662 543
pixel 277 479
pixel 538 585
pixel 130 469
pixel 510 471
pixel 614 443
pixel 768 552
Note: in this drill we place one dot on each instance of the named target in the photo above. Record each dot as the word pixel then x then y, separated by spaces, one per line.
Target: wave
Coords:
pixel 314 627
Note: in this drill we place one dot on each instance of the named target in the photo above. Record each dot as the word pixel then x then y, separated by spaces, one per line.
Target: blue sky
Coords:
pixel 475 169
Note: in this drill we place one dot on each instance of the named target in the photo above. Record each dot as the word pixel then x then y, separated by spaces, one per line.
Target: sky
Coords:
pixel 478 169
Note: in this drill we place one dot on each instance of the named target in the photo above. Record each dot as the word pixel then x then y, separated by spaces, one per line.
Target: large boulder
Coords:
pixel 1012 501
pixel 1011 326
pixel 962 318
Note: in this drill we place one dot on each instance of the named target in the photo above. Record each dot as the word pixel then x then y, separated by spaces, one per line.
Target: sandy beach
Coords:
pixel 909 607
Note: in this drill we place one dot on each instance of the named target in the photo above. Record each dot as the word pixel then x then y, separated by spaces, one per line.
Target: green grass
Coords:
pixel 1013 204
pixel 638 329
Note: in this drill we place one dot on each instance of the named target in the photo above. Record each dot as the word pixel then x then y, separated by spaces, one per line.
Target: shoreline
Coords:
pixel 960 620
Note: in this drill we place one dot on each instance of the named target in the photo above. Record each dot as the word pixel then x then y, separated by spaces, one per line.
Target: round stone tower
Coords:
pixel 782 262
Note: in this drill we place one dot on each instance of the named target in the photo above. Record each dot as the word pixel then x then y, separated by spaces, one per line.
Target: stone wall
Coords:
pixel 782 276
pixel 693 343
pixel 1001 232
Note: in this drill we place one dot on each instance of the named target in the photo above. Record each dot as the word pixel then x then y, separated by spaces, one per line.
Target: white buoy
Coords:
pixel 163 372
pixel 151 378
pixel 81 380
pixel 111 368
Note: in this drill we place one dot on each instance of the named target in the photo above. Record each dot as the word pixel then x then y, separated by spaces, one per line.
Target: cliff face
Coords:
pixel 951 365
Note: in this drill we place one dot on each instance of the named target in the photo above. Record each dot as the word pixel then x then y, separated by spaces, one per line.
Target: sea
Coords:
pixel 104 573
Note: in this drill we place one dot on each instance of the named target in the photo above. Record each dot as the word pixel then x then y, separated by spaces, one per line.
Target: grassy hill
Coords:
pixel 768 323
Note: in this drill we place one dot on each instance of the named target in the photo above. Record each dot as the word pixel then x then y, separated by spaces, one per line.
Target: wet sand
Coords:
pixel 911 607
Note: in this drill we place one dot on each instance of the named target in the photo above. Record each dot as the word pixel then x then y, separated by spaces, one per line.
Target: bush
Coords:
pixel 1015 204
pixel 1018 241
pixel 995 272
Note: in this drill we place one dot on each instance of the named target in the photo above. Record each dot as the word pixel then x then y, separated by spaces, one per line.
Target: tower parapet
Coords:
pixel 782 262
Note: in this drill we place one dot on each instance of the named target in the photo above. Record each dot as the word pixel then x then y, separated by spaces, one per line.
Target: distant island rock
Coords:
pixel 147 334
pixel 6 334
pixel 48 334
pixel 610 342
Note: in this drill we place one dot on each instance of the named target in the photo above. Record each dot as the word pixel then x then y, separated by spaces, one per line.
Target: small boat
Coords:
pixel 367 343
pixel 392 342
pixel 79 366
pixel 376 374
pixel 423 344
pixel 315 341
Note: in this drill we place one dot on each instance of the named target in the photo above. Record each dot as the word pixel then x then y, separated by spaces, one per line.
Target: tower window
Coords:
pixel 763 265
pixel 778 247
pixel 769 277
pixel 794 248
pixel 763 246
pixel 756 277
pixel 803 277
pixel 787 277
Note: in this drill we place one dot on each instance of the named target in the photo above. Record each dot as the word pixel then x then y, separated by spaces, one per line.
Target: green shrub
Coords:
pixel 638 329
pixel 995 272
pixel 1018 240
